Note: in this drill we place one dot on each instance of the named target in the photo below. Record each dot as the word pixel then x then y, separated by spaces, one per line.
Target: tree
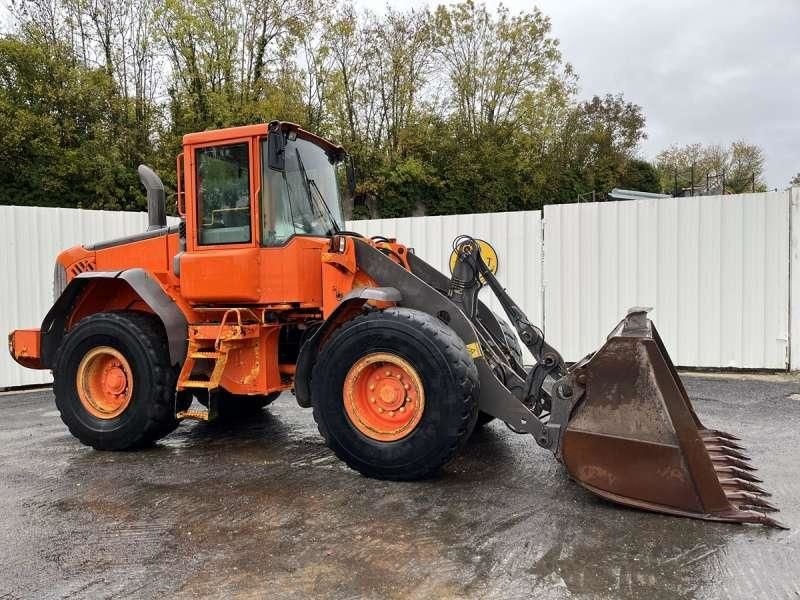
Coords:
pixel 739 166
pixel 607 135
pixel 458 110
pixel 795 180
pixel 640 175
pixel 58 124
pixel 744 168
pixel 493 62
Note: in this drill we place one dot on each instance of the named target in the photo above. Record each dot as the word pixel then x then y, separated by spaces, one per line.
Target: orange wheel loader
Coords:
pixel 258 290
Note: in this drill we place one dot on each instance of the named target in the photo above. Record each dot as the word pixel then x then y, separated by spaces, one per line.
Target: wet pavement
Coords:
pixel 262 509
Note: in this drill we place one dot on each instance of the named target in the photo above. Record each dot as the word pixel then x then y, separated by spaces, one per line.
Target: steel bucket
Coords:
pixel 635 439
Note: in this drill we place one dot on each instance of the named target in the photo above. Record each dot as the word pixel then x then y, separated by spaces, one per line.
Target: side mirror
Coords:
pixel 276 146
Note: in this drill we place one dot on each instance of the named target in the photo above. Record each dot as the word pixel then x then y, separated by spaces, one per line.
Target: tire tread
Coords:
pixel 466 375
pixel 161 418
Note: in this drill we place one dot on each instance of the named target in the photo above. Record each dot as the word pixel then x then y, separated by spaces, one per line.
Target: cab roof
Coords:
pixel 213 136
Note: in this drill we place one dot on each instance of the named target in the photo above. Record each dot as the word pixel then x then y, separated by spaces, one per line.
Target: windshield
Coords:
pixel 305 198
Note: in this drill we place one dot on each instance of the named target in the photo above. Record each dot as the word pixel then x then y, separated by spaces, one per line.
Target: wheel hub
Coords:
pixel 383 396
pixel 104 382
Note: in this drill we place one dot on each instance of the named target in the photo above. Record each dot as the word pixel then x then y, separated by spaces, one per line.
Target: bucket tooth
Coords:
pixel 754 507
pixel 750 500
pixel 718 441
pixel 725 451
pixel 773 523
pixel 741 485
pixel 718 433
pixel 737 473
pixel 733 462
pixel 755 516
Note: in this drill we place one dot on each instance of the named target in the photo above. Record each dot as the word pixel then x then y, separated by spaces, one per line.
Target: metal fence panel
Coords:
pixel 715 269
pixel 794 281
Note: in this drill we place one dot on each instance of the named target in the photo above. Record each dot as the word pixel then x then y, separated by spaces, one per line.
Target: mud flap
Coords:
pixel 635 439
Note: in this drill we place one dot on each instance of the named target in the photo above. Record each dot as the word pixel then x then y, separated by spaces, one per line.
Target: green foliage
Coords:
pixel 640 175
pixel 60 143
pixel 459 109
pixel 739 166
pixel 405 185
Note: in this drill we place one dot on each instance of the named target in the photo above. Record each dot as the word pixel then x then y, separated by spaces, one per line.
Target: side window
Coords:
pixel 223 194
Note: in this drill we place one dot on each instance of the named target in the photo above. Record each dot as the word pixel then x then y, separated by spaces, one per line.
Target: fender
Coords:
pixel 175 323
pixel 352 304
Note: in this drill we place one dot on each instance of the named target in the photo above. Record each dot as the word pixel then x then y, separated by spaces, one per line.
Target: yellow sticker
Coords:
pixel 474 350
pixel 488 255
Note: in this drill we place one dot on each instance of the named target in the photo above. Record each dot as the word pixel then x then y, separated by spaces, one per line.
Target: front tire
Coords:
pixel 113 382
pixel 395 394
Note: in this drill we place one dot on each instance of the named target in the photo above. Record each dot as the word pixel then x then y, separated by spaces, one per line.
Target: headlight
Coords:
pixel 59 281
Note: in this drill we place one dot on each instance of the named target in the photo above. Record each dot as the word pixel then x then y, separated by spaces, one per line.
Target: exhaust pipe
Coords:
pixel 156 200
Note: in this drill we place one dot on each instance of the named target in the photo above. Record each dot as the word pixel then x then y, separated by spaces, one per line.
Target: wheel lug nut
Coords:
pixel 372 400
pixel 391 413
pixel 387 373
pixel 371 386
pixel 407 386
pixel 380 410
pixel 402 409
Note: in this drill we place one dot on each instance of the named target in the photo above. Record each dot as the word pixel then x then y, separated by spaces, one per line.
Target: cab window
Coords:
pixel 223 194
pixel 304 198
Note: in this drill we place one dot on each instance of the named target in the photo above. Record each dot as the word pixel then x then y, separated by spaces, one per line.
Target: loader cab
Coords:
pixel 260 203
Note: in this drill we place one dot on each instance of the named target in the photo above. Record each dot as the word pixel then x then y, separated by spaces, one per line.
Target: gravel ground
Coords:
pixel 261 508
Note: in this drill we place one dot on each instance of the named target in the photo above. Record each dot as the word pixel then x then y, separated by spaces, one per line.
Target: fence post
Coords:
pixel 794 279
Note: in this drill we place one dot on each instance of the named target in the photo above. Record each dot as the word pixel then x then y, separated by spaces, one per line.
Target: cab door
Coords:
pixel 221 264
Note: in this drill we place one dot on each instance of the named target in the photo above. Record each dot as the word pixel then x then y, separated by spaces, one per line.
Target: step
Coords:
pixel 196 383
pixel 197 415
pixel 204 354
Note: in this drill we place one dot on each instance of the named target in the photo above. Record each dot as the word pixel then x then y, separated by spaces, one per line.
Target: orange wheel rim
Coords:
pixel 383 397
pixel 104 382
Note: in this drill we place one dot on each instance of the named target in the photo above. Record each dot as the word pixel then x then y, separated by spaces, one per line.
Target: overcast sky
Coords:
pixel 709 71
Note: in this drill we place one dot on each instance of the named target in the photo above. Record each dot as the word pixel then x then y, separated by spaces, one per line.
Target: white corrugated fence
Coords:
pixel 716 269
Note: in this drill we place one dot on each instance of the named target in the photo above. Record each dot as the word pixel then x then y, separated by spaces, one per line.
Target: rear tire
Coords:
pixel 149 414
pixel 438 360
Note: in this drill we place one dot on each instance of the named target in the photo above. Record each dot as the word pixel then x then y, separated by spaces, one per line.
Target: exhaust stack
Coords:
pixel 156 202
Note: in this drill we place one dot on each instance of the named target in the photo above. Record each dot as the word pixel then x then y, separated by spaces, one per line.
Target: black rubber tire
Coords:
pixel 235 405
pixel 513 345
pixel 449 378
pixel 151 413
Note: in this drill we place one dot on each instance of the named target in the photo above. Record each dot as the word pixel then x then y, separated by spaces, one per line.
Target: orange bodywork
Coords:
pixel 236 298
pixel 23 344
